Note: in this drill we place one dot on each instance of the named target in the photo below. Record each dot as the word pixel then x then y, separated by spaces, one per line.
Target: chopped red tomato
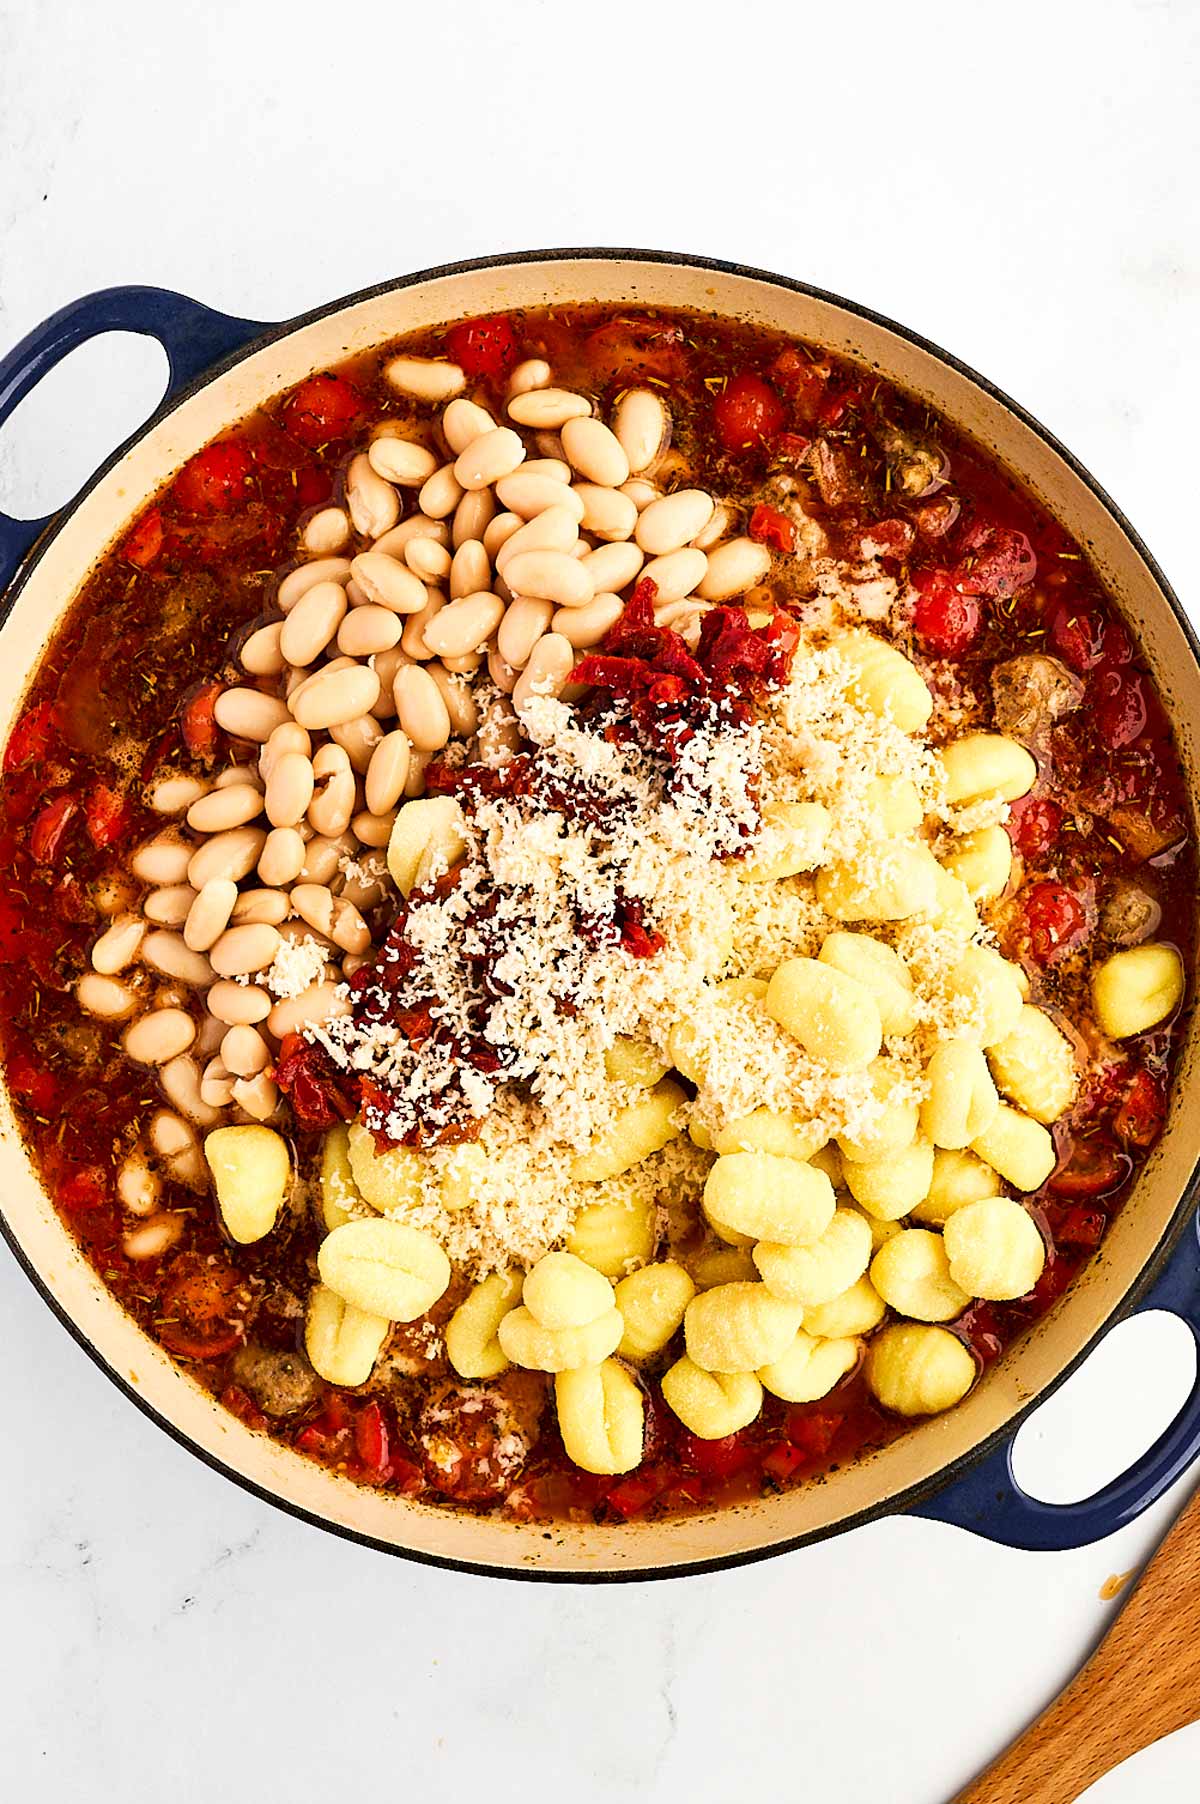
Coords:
pixel 241 1404
pixel 1077 635
pixel 630 350
pixel 83 1189
pixel 198 723
pixel 106 815
pixel 635 1493
pixel 944 619
pixel 1139 1120
pixel 371 1440
pixel 37 1086
pixel 791 448
pixel 814 1435
pixel 746 413
pixel 201 1311
pixel 50 829
pixel 1056 921
pixel 1093 1168
pixel 716 1460
pixel 802 381
pixel 1120 710
pixel 981 1331
pixel 1080 1227
pixel 1034 823
pixel 772 528
pixel 325 409
pixel 484 347
pixel 215 479
pixel 31 738
pixel 995 561
pixel 145 542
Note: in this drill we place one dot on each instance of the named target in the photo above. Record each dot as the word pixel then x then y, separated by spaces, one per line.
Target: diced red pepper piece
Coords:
pixel 1139 1120
pixel 635 1493
pixel 106 815
pixel 31 737
pixel 782 1461
pixel 215 479
pixel 143 545
pixel 483 348
pixel 324 409
pixel 1034 824
pixel 716 1460
pixel 50 829
pixel 813 1434
pixel 198 723
pixel 1056 921
pixel 770 527
pixel 946 619
pixel 371 1440
pixel 746 413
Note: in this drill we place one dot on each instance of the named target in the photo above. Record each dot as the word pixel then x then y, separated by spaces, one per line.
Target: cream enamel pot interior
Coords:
pixel 954 1467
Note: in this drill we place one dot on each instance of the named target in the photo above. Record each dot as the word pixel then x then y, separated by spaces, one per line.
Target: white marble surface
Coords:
pixel 1018 183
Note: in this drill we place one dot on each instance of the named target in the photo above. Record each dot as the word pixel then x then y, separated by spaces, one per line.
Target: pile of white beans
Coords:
pixel 521 544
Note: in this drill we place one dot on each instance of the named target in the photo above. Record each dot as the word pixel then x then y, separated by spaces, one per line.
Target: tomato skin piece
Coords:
pixel 1077 635
pixel 30 738
pixel 631 1495
pixel 198 722
pixel 84 1189
pixel 1093 1169
pixel 945 619
pixel 33 1083
pixel 484 347
pixel 144 544
pixel 1121 712
pixel 51 827
pixel 746 413
pixel 325 408
pixel 814 1435
pixel 215 479
pixel 769 527
pixel 1139 1120
pixel 371 1440
pixel 106 815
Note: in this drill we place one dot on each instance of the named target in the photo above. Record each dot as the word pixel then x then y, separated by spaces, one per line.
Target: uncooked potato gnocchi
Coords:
pixel 918 1370
pixel 994 1249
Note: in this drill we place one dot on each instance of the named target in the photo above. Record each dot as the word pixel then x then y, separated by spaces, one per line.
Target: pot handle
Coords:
pixel 988 1501
pixel 194 337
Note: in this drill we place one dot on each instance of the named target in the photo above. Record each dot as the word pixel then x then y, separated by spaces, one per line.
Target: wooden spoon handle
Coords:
pixel 1142 1682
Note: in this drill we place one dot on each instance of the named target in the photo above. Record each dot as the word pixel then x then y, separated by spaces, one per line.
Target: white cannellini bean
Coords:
pixel 216 1085
pixel 472 516
pixel 248 714
pixel 270 905
pixel 642 426
pixel 244 1052
pixel 613 567
pixel 501 671
pixel 388 583
pixel 676 574
pixel 209 914
pixel 299 581
pixel 464 625
pixel 719 523
pixel 106 997
pixel 238 776
pixel 402 461
pixel 489 457
pixel 555 467
pixel 159 1036
pixel 171 793
pixel 376 829
pixel 733 567
pixel 153 1238
pixel 333 696
pixel 233 854
pixel 138 1188
pixel 368 630
pixel 529 492
pixel 358 739
pixel 333 802
pixel 313 623
pixel 387 772
pixel 258 1096
pixel 287 738
pixel 641 492
pixel 241 951
pixel 320 1002
pixel 261 654
pixel 412 642
pixel 546 409
pixel 607 513
pixel 118 945
pixel 161 861
pixel 498 531
pixel 229 805
pixel 460 704
pixel 595 451
pixel 421 710
pixel 524 622
pixel 466 665
pixel 585 627
pixel 174 1140
pixel 547 672
pixel 415 783
pixel 428 560
pixel 234 1003
pixel 671 523
pixel 289 790
pixel 280 861
pixel 321 860
pixel 180 1080
pixel 170 953
pixel 417 526
pixel 441 494
pixel 208 1037
pixel 327 531
pixel 555 529
pixel 463 421
pixel 469 570
pixel 550 576
pixel 432 379
pixel 373 504
pixel 169 907
pixel 534 372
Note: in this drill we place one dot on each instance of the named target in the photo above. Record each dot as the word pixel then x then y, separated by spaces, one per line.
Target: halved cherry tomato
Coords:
pixel 1093 1168
pixel 215 479
pixel 50 829
pixel 483 347
pixel 746 413
pixel 1034 823
pixel 1121 710
pixel 145 542
pixel 945 619
pixel 1056 920
pixel 106 815
pixel 324 409
pixel 1139 1120
pixel 201 1312
pixel 633 350
pixel 1077 635
pixel 995 561
pixel 772 528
